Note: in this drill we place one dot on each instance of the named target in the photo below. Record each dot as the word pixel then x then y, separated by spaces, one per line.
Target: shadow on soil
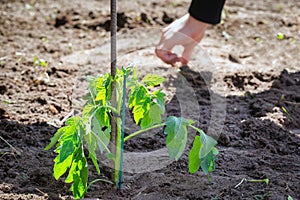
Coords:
pixel 251 146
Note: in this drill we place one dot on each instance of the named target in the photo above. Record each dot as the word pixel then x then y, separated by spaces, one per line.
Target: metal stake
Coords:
pixel 113 57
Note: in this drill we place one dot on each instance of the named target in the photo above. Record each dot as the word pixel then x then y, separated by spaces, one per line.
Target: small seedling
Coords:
pixel 7 102
pixel 42 75
pixel 92 129
pixel 266 181
pixel 39 62
pixel 290 198
pixel 45 40
pixel 286 112
pixel 259 40
pixel 292 39
pixel 280 36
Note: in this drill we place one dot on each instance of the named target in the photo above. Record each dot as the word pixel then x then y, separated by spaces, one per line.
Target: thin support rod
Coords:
pixel 113 57
pixel 113 36
pixel 123 112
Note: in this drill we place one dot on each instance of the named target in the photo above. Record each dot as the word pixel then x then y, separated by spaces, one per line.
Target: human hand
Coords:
pixel 185 31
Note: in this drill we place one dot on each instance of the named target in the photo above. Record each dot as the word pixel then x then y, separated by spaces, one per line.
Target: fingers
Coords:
pixel 167 56
pixel 187 53
pixel 163 49
pixel 171 38
pixel 186 32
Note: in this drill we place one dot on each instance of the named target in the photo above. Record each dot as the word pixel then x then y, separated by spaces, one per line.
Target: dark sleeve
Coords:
pixel 208 11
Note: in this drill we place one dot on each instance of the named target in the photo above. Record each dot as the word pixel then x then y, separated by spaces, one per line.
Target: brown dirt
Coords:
pixel 255 75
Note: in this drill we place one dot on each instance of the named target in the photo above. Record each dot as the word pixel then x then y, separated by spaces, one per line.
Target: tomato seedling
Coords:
pixel 92 129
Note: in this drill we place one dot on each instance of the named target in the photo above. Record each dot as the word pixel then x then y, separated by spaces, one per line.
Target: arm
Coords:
pixel 208 11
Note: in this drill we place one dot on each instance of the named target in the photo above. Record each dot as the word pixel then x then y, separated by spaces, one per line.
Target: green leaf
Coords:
pixel 87 110
pixel 137 95
pixel 43 63
pixel 102 137
pixel 203 154
pixel 153 116
pixel 208 144
pixel 83 167
pixel 194 160
pixel 80 175
pixel 66 150
pixel 102 144
pixel 93 156
pixel 56 137
pixel 101 96
pixel 107 85
pixel 95 136
pixel 152 80
pixel 73 121
pixel 208 163
pixel 141 103
pixel 78 188
pixel 75 188
pixel 61 167
pixel 95 124
pixel 92 88
pixel 140 109
pixel 69 178
pixel 280 36
pixel 67 146
pixel 159 96
pixel 103 117
pixel 131 82
pixel 35 60
pixel 92 147
pixel 176 132
pixel 105 138
pixel 73 130
pixel 189 121
pixel 290 198
pixel 99 89
pixel 138 113
pixel 206 153
pixel 215 151
pixel 127 70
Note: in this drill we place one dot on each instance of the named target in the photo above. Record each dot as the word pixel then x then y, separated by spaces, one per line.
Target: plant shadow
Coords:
pixel 251 144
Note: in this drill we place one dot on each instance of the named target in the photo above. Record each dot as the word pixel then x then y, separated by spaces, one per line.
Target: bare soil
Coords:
pixel 241 66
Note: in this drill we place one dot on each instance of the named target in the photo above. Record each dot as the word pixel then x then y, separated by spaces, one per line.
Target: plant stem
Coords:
pixel 118 154
pixel 195 128
pixel 266 181
pixel 97 180
pixel 113 122
pixel 112 109
pixel 142 131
